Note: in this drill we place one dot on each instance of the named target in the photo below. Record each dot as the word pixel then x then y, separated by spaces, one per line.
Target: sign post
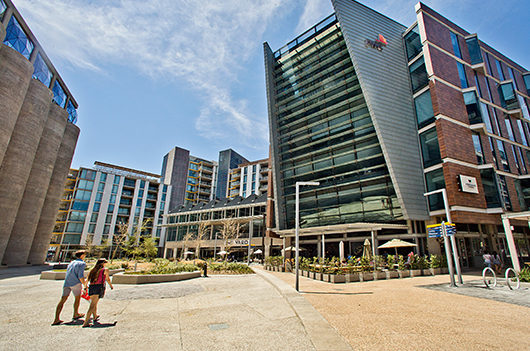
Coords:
pixel 443 230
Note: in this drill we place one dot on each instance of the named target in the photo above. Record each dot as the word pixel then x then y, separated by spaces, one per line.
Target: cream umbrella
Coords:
pixel 257 252
pixel 395 243
pixel 367 249
pixel 341 251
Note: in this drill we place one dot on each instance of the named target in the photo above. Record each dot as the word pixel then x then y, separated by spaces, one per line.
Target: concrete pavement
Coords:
pixel 215 313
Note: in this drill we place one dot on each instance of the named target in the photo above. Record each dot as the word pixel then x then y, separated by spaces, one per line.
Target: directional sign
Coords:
pixel 435 230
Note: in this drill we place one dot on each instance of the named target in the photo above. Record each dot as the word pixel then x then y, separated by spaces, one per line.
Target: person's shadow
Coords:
pixel 77 322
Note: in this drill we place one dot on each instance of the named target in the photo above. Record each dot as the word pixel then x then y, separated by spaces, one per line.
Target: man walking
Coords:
pixel 73 282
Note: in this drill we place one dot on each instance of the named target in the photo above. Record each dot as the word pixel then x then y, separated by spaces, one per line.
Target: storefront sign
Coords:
pixel 377 44
pixel 468 184
pixel 241 242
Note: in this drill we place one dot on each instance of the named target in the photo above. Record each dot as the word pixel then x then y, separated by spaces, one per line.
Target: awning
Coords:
pixel 341 229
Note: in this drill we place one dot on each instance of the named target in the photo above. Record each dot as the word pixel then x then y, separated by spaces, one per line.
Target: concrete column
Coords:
pixel 50 208
pixel 27 219
pixel 2 33
pixel 15 75
pixel 18 159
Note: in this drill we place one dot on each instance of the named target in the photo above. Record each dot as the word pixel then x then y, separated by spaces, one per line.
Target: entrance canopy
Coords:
pixel 521 216
pixel 341 229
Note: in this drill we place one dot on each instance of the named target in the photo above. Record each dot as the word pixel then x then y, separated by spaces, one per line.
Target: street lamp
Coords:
pixel 453 240
pixel 297 227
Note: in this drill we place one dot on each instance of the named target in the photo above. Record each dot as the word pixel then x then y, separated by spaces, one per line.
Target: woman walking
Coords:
pixel 97 278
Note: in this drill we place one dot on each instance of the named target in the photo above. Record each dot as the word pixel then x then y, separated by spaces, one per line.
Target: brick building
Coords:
pixel 380 114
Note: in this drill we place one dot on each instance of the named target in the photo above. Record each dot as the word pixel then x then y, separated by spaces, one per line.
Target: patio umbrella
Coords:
pixel 222 253
pixel 257 252
pixel 367 249
pixel 395 243
pixel 292 248
pixel 188 253
pixel 341 251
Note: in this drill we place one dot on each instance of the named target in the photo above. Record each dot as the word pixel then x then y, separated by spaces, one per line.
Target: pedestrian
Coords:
pixel 496 261
pixel 73 282
pixel 98 277
pixel 487 259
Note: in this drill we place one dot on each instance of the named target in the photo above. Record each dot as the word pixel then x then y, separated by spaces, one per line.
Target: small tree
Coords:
pixel 120 239
pixel 148 247
pixel 202 235
pixel 186 239
pixel 229 232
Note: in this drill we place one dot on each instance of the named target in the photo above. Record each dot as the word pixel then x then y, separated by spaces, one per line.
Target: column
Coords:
pixel 39 179
pixel 48 214
pixel 15 75
pixel 19 156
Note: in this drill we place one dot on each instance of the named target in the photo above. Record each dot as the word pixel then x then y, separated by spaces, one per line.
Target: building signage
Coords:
pixel 377 44
pixel 241 242
pixel 468 184
pixel 436 230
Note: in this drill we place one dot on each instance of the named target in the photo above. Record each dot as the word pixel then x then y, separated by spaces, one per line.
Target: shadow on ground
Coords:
pixel 13 272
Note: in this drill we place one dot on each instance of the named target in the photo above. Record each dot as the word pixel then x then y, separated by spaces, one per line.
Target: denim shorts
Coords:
pixel 96 289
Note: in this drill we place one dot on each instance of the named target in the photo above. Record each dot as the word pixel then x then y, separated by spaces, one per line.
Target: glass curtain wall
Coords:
pixel 325 134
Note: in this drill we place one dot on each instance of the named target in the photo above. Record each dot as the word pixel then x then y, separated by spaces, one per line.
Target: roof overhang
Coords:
pixel 341 229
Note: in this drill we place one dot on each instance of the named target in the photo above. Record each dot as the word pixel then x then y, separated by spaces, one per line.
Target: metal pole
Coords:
pixel 452 238
pixel 250 229
pixel 448 254
pixel 323 247
pixel 511 243
pixel 215 247
pixel 297 233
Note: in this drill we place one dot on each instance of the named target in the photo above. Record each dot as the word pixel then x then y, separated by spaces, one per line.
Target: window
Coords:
pixel 3 8
pixel 72 112
pixel 77 216
pixel 472 107
pixel 108 219
pixel 101 186
pixel 106 229
pixel 474 50
pixel 97 205
pixel 116 179
pixel 456 45
pixel 512 76
pixel 489 184
pixel 477 84
pixel 478 148
pixel 429 147
pixel 509 128
pixel 522 133
pixel 413 43
pixel 424 112
pixel 418 75
pixel 503 189
pixel 91 228
pixel 59 97
pixel 82 195
pixel 492 147
pixel 526 79
pixel 507 96
pixel 73 227
pixel 114 189
pixel 496 120
pixel 517 164
pixel 523 164
pixel 110 208
pixel 94 217
pixel 462 75
pixel 524 107
pixel 17 39
pixel 488 63
pixel 503 156
pixel 103 177
pixel 489 88
pixel 99 196
pixel 41 72
pixel 499 69
pixel 435 180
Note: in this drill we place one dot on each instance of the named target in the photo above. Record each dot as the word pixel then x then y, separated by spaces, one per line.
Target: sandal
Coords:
pixel 57 323
pixel 80 315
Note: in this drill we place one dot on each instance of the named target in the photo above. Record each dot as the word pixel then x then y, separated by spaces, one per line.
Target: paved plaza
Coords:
pixel 263 312
pixel 422 313
pixel 216 313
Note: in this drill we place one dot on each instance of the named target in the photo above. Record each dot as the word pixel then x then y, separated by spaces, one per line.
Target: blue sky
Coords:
pixel 151 75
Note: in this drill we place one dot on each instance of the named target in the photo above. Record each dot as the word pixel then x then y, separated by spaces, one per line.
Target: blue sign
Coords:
pixel 435 230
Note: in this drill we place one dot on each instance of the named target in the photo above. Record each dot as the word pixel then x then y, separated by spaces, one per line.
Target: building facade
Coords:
pixel 96 201
pixel 200 229
pixel 37 140
pixel 228 159
pixel 249 178
pixel 380 114
pixel 193 179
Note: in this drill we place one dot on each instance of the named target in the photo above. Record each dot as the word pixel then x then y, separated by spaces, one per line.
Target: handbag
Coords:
pixel 85 295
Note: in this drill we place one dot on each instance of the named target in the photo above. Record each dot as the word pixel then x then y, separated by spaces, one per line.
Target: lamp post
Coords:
pixel 297 228
pixel 215 246
pixel 446 241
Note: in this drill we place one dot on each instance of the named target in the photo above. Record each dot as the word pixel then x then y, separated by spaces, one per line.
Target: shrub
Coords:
pixel 365 264
pixel 391 261
pixel 524 275
pixel 401 263
pixel 229 268
pixel 435 261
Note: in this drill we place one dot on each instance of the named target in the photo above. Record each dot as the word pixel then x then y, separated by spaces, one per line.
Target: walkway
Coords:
pixel 402 314
pixel 216 313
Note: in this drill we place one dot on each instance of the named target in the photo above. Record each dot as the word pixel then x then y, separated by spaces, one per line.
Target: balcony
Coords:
pixel 508 97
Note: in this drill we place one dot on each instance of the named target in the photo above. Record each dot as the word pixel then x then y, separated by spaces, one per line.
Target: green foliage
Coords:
pixel 391 261
pixel 365 264
pixel 164 266
pixel 274 260
pixel 524 275
pixel 423 263
pixel 148 248
pixel 435 261
pixel 379 262
pixel 401 263
pixel 229 268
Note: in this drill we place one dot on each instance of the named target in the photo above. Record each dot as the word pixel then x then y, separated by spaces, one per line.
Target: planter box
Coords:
pixel 435 271
pixel 379 275
pixel 415 272
pixel 392 274
pixel 445 270
pixel 352 277
pixel 53 275
pixel 337 278
pixel 326 277
pixel 318 276
pixel 121 278
pixel 426 272
pixel 403 274
pixel 366 276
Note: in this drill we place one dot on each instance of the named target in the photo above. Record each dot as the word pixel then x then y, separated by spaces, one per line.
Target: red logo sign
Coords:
pixel 377 44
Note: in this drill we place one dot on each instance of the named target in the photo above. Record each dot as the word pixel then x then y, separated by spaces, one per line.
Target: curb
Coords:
pixel 323 336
